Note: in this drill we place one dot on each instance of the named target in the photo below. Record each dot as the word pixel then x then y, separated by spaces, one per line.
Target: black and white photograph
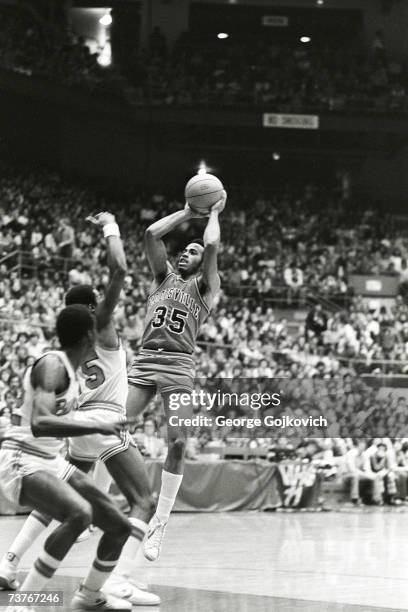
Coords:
pixel 204 305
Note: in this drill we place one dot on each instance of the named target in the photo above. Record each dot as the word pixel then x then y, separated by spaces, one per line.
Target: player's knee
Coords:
pixel 124 529
pixel 141 499
pixel 177 446
pixel 81 517
pixel 120 527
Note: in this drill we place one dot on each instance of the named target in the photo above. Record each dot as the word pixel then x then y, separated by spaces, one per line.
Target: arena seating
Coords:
pixel 245 338
pixel 279 77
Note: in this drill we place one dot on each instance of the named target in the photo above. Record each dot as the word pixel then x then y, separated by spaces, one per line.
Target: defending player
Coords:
pixel 177 306
pixel 105 388
pixel 32 468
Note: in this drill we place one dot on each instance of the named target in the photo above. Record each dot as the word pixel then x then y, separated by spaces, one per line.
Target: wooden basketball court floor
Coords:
pixel 262 562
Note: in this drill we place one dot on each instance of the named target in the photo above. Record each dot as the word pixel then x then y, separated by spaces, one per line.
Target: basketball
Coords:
pixel 203 191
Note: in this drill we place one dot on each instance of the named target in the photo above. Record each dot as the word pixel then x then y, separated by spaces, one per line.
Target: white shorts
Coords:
pixel 15 463
pixel 96 446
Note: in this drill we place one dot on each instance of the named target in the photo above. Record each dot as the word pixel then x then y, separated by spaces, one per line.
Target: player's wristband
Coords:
pixel 111 229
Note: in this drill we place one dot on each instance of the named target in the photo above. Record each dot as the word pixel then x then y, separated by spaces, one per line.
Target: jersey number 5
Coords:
pixel 177 320
pixel 93 373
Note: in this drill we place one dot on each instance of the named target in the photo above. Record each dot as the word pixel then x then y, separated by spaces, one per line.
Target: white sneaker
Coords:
pixel 8 576
pixel 125 589
pixel 114 577
pixel 85 599
pixel 152 542
pixel 140 585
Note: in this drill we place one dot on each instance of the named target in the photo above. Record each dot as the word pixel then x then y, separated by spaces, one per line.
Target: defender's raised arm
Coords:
pixel 117 268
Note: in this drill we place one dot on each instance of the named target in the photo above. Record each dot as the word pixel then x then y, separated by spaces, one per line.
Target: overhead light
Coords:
pixel 202 168
pixel 276 156
pixel 305 39
pixel 106 20
pixel 320 2
pixel 222 35
pixel 105 57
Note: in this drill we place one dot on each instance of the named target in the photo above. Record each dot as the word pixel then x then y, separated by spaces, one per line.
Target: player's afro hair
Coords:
pixel 80 294
pixel 73 324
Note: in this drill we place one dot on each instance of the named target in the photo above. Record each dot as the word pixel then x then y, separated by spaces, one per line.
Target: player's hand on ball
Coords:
pixel 220 205
pixel 194 214
pixel 101 219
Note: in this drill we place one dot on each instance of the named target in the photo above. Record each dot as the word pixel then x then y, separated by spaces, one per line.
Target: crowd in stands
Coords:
pixel 35 48
pixel 282 77
pixel 230 73
pixel 43 216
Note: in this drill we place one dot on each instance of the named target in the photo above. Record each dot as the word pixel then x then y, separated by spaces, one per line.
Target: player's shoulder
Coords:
pixel 48 372
pixel 160 282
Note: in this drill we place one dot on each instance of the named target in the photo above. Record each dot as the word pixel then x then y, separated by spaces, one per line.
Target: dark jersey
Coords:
pixel 175 311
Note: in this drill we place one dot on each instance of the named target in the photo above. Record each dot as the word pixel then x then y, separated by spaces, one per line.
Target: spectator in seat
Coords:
pixel 79 275
pixel 293 277
pixel 316 321
pixel 154 447
pixel 359 472
pixel 382 468
pixel 401 470
pixel 34 346
pixel 66 239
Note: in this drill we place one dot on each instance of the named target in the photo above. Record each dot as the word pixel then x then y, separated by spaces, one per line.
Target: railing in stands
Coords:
pixel 284 297
pixel 280 296
pixel 25 262
pixel 383 364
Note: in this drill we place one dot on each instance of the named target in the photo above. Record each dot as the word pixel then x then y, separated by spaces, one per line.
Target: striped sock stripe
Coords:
pixel 44 569
pixel 104 566
pixel 138 533
pixel 49 560
pixel 44 520
pixel 139 528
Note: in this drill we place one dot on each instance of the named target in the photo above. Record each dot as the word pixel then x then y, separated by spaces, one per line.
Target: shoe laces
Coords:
pixel 156 536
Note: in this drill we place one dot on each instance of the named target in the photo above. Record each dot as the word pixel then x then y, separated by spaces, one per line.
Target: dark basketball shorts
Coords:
pixel 164 371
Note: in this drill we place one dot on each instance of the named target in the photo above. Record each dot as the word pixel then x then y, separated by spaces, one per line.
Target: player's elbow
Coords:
pixel 150 234
pixel 212 243
pixel 121 269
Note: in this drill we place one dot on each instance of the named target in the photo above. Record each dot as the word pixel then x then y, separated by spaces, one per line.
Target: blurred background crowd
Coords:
pixel 288 310
pixel 291 78
pixel 296 259
pixel 286 77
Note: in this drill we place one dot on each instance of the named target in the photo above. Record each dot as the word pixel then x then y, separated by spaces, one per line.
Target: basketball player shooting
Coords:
pixel 178 304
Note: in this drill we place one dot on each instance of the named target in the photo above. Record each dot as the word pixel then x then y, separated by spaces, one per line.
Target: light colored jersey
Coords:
pixel 21 434
pixel 103 377
pixel 174 314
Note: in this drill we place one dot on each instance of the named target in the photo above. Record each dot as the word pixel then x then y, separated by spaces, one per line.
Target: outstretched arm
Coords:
pixel 117 273
pixel 155 248
pixel 48 377
pixel 209 282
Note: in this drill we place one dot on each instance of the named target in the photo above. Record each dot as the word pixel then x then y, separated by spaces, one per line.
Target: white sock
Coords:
pixel 32 528
pixel 101 477
pixel 98 574
pixel 40 573
pixel 169 488
pixel 126 564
